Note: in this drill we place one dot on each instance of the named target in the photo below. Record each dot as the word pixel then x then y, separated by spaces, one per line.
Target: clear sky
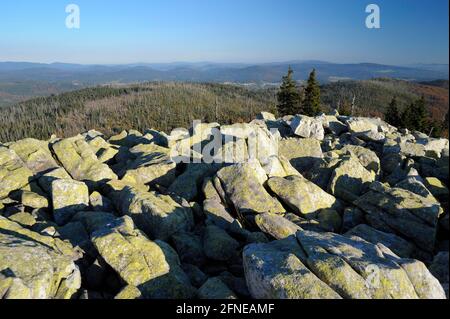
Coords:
pixel 114 31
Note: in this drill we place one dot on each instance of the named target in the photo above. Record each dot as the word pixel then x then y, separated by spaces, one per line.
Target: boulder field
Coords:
pixel 330 207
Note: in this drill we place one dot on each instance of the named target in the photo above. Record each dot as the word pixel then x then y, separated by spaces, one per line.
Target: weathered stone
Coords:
pixel 440 269
pixel 307 127
pixel 152 267
pixel 102 149
pixel 302 153
pixel 329 220
pixel 129 139
pixel 46 180
pixel 399 246
pixel 218 245
pixel 34 266
pixel 301 196
pixel 186 185
pixel 100 203
pixel 275 271
pixel 395 210
pixel 276 226
pixel 159 216
pixel 266 116
pixel 245 192
pixel 189 248
pixel 35 154
pixel 152 165
pixel 350 179
pixel 81 163
pixel 13 173
pixel 436 187
pixel 366 157
pixel 68 198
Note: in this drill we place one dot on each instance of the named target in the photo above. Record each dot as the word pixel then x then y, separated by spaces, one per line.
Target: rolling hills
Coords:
pixel 18 80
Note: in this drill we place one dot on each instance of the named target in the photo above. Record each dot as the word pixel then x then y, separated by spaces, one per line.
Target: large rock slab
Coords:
pixel 68 198
pixel 302 153
pixel 13 173
pixel 304 126
pixel 159 216
pixel 33 266
pixel 275 271
pixel 35 154
pixel 245 192
pixel 151 266
pixel 151 165
pixel 187 184
pixel 398 245
pixel 81 163
pixel 301 196
pixel 399 211
pixel 327 265
pixel 350 179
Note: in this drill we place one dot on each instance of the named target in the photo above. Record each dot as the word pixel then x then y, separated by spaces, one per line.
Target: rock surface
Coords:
pixel 331 207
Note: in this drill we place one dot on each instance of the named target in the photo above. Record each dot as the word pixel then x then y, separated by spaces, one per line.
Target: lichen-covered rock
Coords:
pixel 13 173
pixel 80 161
pixel 35 154
pixel 350 179
pixel 189 248
pixel 187 184
pixel 100 203
pixel 399 246
pixel 68 198
pixel 328 265
pixel 33 266
pixel 301 196
pixel 31 199
pixel 366 157
pixel 399 211
pixel 159 216
pixel 218 245
pixel 307 127
pixel 102 149
pixel 152 165
pixel 276 226
pixel 245 192
pixel 275 271
pixel 302 153
pixel 152 267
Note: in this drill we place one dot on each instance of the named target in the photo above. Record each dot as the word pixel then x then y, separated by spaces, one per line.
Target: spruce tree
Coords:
pixel 289 96
pixel 392 115
pixel 345 108
pixel 311 104
pixel 414 117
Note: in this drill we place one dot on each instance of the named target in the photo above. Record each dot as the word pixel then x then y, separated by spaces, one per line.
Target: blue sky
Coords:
pixel 113 31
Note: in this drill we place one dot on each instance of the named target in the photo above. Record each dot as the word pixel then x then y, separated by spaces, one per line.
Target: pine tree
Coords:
pixel 415 116
pixel 392 115
pixel 289 98
pixel 345 108
pixel 311 104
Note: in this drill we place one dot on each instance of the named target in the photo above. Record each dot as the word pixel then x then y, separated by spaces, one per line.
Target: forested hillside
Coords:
pixel 162 106
pixel 165 106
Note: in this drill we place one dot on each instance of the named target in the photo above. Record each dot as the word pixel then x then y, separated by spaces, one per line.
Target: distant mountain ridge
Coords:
pixel 213 72
pixel 20 81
